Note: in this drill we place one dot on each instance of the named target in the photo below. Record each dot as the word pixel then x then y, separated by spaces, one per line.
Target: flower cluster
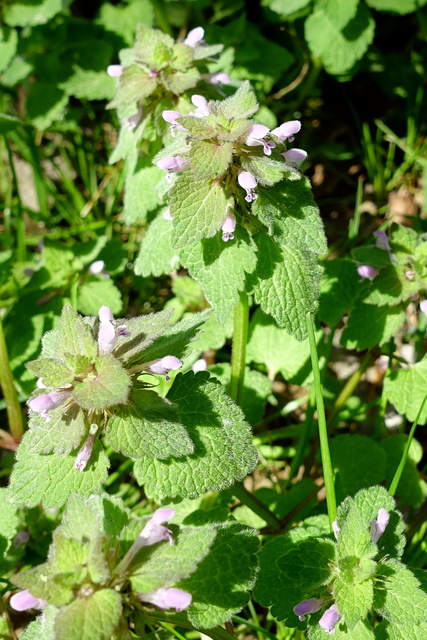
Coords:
pixel 331 617
pixel 239 153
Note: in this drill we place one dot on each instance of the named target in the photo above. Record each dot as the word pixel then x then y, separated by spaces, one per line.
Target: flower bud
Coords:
pixel 194 37
pixel 330 618
pixel 365 271
pixel 167 598
pixel 228 227
pixel 378 526
pixel 46 402
pixel 115 70
pixel 295 156
pixel 162 366
pixel 308 606
pixel 23 600
pixel 96 267
pixel 287 130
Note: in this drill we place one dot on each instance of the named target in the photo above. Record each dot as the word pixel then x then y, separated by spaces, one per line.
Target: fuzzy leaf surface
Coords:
pixel 339 288
pixel 156 255
pixel 91 618
pixel 401 601
pixel 63 433
pixel 221 267
pixel 109 386
pixel 223 451
pixel 406 389
pixel 72 336
pixel 242 104
pixel 370 325
pixel 210 160
pixel 176 340
pixel 354 601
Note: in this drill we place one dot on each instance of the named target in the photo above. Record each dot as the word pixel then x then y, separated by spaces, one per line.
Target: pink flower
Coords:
pixel 335 529
pixel 23 600
pixel 228 227
pixel 173 164
pixel 46 402
pixel 107 337
pixel 295 156
pixel 115 70
pixel 195 37
pixel 308 606
pixel 218 78
pixel 365 271
pixel 172 116
pixel 202 106
pixel 423 306
pixel 85 452
pixel 382 241
pixel 162 366
pixel 96 267
pixel 287 130
pixel 256 137
pixel 167 598
pixel 378 526
pixel 199 365
pixel 329 619
pixel 247 181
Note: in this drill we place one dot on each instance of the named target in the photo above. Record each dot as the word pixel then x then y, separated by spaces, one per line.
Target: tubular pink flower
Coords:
pixel 202 106
pixel 133 121
pixel 335 529
pixel 162 366
pixel 330 618
pixel 308 606
pixel 167 598
pixel 23 600
pixel 295 156
pixel 228 227
pixel 365 271
pixel 382 241
pixel 46 402
pixel 287 130
pixel 218 78
pixel 378 526
pixel 115 70
pixel 85 452
pixel 96 267
pixel 247 181
pixel 107 337
pixel 256 137
pixel 199 365
pixel 423 306
pixel 171 116
pixel 173 164
pixel 195 37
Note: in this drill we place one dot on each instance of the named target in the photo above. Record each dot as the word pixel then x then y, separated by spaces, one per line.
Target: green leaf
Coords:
pixel 267 171
pixel 362 631
pixel 62 433
pixel 8 521
pixel 175 340
pixel 106 386
pixel 8 45
pixel 123 19
pixel 223 452
pixel 54 373
pixel 90 618
pixel 368 502
pixel 354 601
pixel 285 284
pixel 156 255
pixel 149 427
pixel 72 336
pixel 358 462
pixel 242 104
pixel 286 7
pixel 391 287
pixel 198 209
pixel 31 13
pixel 221 267
pixel 50 479
pixel 339 289
pixel 88 84
pixel 396 6
pixel 42 627
pixel 400 600
pixel 388 631
pixel 140 334
pixel 45 104
pixel 141 193
pixel 95 292
pixel 221 582
pixel 370 325
pixel 377 258
pixel 339 33
pixel 412 489
pixel 152 46
pixel 293 568
pixel 406 389
pixel 289 209
pixel 210 160
pixel 135 86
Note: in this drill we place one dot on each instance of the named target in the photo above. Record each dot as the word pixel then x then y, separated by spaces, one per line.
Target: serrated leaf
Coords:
pixel 8 45
pixel 267 171
pixel 141 193
pixel 92 618
pixel 106 386
pixel 221 267
pixel 149 427
pixel 370 325
pixel 156 255
pixel 285 284
pixel 88 84
pixel 362 631
pixel 8 521
pixel 95 292
pixel 135 85
pixel 123 19
pixel 42 627
pixel 368 502
pixel 221 582
pixel 293 213
pixel 45 104
pixel 354 601
pixel 339 33
pixel 388 631
pixel 339 289
pixel 391 287
pixel 54 373
pixel 140 334
pixel 210 160
pixel 377 258
pixel 62 433
pixel 358 462
pixel 223 452
pixel 406 389
pixel 242 104
pixel 176 340
pixel 72 336
pixel 178 81
pixel 198 209
pixel 23 14
pixel 400 600
pixel 165 565
pixel 292 568
pixel 50 479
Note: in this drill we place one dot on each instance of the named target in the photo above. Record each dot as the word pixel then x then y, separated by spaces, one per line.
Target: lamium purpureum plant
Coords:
pixel 97 382
pixel 240 214
pixel 108 571
pixel 353 587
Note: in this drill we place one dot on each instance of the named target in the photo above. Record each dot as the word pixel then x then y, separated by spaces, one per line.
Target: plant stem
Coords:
pixel 238 354
pixel 399 470
pixel 13 408
pixel 255 505
pixel 321 419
